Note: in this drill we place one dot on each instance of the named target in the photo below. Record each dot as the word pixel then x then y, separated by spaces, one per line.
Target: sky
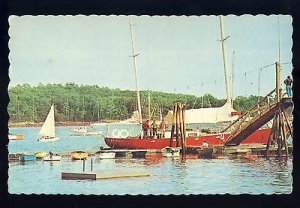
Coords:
pixel 177 54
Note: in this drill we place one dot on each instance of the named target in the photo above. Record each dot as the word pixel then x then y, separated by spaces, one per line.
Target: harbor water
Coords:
pixel 167 175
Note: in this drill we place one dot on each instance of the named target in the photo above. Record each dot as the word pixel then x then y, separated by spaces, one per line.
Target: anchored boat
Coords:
pixel 85 131
pixel 24 158
pixel 52 157
pixel 47 132
pixel 106 154
pixel 15 136
pixel 79 155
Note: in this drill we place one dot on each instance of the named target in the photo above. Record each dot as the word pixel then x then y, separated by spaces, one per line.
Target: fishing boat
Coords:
pixel 52 157
pixel 170 152
pixel 15 136
pixel 24 158
pixel 79 155
pixel 47 132
pixel 85 131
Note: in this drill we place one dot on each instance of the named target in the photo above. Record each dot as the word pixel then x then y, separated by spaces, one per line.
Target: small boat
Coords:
pixel 106 155
pixel 170 152
pixel 24 158
pixel 40 155
pixel 47 132
pixel 14 157
pixel 15 136
pixel 52 157
pixel 79 155
pixel 85 131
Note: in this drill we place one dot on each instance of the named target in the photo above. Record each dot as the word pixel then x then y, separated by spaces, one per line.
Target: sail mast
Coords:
pixel 134 55
pixel 224 60
pixel 149 111
pixel 232 78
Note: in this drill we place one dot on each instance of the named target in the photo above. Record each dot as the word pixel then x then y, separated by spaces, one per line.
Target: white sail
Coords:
pixel 48 128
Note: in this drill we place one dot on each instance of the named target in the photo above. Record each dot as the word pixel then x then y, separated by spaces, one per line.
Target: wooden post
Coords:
pixel 91 164
pixel 287 121
pixel 177 123
pixel 180 124
pixel 283 136
pixel 278 137
pixel 278 95
pixel 183 129
pixel 173 124
pixel 272 134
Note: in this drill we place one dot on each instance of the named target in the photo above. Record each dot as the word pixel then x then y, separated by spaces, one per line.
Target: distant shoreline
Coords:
pixel 39 124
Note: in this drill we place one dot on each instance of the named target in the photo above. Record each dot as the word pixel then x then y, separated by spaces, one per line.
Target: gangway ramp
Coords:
pixel 255 118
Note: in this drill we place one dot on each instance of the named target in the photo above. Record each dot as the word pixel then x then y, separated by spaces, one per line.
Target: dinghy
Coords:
pixel 47 132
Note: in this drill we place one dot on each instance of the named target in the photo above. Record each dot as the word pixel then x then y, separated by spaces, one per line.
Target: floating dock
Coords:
pixel 104 175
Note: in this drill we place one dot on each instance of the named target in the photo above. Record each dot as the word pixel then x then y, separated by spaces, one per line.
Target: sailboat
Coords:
pixel 47 132
pixel 193 138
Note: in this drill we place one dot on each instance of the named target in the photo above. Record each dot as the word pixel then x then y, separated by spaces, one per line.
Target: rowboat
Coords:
pixel 106 155
pixel 40 155
pixel 51 157
pixel 15 136
pixel 79 155
pixel 24 158
pixel 14 157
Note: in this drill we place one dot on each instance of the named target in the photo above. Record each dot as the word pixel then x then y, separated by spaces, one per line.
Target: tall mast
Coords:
pixel 149 111
pixel 224 60
pixel 278 39
pixel 232 78
pixel 134 55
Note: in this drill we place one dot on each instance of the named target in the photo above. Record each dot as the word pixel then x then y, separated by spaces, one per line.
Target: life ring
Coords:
pixel 115 133
pixel 122 135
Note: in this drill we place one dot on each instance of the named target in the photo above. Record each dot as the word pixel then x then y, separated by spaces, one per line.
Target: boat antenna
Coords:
pixel 224 59
pixel 134 55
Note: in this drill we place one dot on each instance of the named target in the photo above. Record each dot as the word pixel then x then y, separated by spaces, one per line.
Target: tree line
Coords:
pixel 91 103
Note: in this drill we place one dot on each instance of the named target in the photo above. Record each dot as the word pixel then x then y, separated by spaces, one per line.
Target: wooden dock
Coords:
pixel 122 173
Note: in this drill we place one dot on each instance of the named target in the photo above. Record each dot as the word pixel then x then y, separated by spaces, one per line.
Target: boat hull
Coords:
pixel 27 158
pixel 79 155
pixel 258 137
pixel 15 136
pixel 41 154
pixel 52 139
pixel 52 158
pixel 106 155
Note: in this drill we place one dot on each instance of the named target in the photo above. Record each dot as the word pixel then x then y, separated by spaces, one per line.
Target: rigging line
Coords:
pixel 286 63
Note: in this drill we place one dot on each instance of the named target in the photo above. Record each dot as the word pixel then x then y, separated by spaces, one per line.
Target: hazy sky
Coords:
pixel 177 53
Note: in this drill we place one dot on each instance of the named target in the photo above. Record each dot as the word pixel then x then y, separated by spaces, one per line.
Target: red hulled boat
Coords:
pixel 258 137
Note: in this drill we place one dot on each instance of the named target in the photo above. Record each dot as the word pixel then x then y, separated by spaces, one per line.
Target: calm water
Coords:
pixel 167 176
